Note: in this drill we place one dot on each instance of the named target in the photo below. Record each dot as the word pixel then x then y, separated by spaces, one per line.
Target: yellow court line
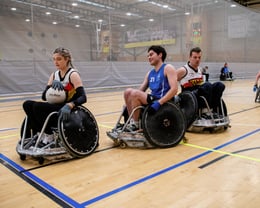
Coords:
pixel 222 152
pixel 106 126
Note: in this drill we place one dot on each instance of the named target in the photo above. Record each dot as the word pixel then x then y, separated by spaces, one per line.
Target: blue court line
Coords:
pixel 68 201
pixel 141 180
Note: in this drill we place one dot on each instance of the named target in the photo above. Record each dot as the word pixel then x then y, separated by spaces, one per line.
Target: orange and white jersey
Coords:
pixel 192 78
pixel 68 86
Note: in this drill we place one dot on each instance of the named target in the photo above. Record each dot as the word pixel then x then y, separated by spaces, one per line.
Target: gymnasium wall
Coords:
pixel 225 35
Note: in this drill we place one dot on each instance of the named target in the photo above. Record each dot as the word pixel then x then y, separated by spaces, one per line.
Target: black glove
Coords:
pixel 57 85
pixel 65 112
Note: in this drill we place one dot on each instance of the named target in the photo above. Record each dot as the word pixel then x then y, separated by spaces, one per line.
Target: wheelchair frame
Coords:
pixel 167 131
pixel 63 145
pixel 188 115
pixel 216 121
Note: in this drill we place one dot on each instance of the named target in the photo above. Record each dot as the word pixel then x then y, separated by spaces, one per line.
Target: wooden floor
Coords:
pixel 220 170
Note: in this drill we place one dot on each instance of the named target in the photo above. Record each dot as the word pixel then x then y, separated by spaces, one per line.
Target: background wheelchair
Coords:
pixel 163 129
pixel 75 138
pixel 257 95
pixel 226 77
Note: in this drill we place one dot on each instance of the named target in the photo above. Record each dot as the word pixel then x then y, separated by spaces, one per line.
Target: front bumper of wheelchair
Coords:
pixel 216 124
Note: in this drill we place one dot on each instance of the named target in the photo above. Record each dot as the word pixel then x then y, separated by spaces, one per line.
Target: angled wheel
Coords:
pixel 257 96
pixel 80 133
pixel 166 127
pixel 189 107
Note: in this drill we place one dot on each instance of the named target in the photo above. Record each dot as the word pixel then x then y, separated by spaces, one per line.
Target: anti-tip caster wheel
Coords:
pixel 22 157
pixel 41 160
pixel 185 140
pixel 123 145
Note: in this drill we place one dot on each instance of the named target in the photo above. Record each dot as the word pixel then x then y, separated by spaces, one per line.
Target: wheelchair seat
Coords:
pixel 163 129
pixel 77 137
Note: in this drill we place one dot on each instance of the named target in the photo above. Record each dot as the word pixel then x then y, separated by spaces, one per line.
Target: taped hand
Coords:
pixel 65 112
pixel 57 85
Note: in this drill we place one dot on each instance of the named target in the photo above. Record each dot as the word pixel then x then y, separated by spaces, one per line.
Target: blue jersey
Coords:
pixel 158 83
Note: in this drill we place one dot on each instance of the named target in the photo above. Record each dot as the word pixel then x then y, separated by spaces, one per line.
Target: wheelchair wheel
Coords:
pixel 80 133
pixel 189 107
pixel 218 109
pixel 257 96
pixel 166 127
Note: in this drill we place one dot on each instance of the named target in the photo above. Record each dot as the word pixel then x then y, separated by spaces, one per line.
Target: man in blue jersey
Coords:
pixel 161 80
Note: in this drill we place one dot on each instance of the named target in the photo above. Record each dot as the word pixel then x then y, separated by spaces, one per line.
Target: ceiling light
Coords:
pixel 55 23
pixel 122 25
pixel 95 4
pixel 161 5
pixel 47 13
pixel 233 5
pixel 187 13
pixel 76 16
pixel 13 9
pixel 128 14
pixel 77 25
pixel 27 20
pixel 74 4
pixel 151 20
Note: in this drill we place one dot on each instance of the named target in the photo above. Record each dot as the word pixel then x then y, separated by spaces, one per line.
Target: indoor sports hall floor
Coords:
pixel 213 170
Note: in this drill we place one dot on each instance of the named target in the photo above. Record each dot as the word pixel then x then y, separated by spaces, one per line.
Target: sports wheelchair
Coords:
pixel 163 129
pixel 167 127
pixel 257 95
pixel 226 77
pixel 75 138
pixel 207 119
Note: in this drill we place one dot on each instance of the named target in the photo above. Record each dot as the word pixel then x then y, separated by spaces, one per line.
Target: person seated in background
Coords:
pixel 205 73
pixel 256 81
pixel 161 80
pixel 191 79
pixel 225 72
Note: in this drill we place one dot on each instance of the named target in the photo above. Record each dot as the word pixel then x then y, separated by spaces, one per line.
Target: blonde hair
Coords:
pixel 65 53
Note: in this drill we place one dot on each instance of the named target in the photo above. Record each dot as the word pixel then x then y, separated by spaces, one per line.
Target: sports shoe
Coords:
pixel 132 127
pixel 45 140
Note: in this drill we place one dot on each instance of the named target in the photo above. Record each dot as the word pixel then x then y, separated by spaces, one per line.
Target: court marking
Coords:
pixel 141 180
pixel 59 197
pixel 224 156
pixel 223 152
pixel 39 184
